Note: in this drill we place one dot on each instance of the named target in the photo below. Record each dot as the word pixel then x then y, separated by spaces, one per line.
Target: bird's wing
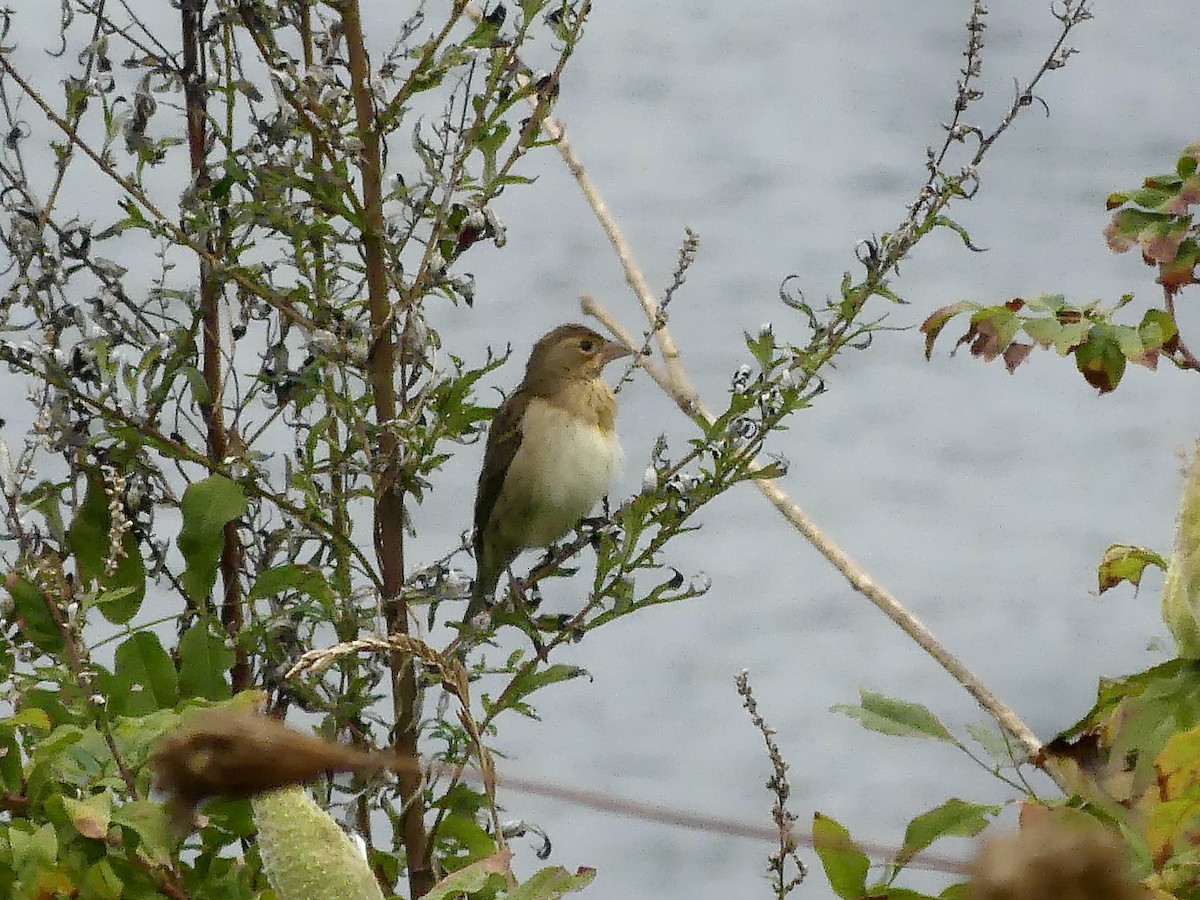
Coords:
pixel 504 439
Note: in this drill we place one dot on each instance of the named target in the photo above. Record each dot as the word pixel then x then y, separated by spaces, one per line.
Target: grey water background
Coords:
pixel 783 133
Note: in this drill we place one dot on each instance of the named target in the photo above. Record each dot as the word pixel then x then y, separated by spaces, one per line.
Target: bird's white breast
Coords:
pixel 561 470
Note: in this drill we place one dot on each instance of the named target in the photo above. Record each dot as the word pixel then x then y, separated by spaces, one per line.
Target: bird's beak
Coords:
pixel 612 350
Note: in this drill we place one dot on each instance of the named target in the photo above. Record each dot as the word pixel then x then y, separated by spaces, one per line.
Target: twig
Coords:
pixel 633 274
pixel 850 570
pixel 389 498
pixel 675 382
pixel 853 573
pixel 1187 359
pixel 175 232
pixel 687 256
pixel 778 784
pixel 212 407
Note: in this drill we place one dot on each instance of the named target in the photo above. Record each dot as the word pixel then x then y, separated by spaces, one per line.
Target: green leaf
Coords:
pixel 761 347
pixel 207 506
pixel 33 850
pixel 1186 166
pixel 1072 335
pixel 1126 562
pixel 90 538
pixel 1156 329
pixel 485 35
pixel 1178 766
pixel 888 892
pixel 468 880
pixel 149 822
pixel 525 684
pixel 889 716
pixel 1151 198
pixel 101 882
pixel 195 379
pixel 59 739
pixel 947 222
pixel 234 816
pixel 993 743
pixel 1130 222
pixel 960 891
pixel 552 883
pixel 530 8
pixel 135 736
pixel 1129 339
pixel 1100 360
pixel 955 817
pixel 12 774
pixel 46 497
pixel 1052 303
pixel 490 143
pixel 1044 332
pixel 30 717
pixel 203 661
pixel 1132 720
pixel 1116 199
pixel 91 815
pixel 772 470
pixel 844 863
pixel 33 616
pixel 50 703
pixel 144 678
pixel 292 577
pixel 461 829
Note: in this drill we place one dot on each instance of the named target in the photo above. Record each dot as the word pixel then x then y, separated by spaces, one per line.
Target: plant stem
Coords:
pixel 211 289
pixel 389 496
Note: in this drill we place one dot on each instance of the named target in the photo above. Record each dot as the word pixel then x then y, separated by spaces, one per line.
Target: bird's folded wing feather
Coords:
pixel 504 439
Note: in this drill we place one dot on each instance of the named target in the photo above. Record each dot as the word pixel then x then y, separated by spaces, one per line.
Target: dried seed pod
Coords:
pixel 239 753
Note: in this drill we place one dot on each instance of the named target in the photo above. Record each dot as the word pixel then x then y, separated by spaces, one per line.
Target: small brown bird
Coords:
pixel 552 452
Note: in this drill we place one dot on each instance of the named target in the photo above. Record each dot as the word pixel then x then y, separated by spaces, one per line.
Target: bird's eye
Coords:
pixel 587 345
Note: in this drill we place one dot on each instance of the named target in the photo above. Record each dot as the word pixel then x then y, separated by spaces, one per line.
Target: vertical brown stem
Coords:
pixel 339 517
pixel 389 498
pixel 192 12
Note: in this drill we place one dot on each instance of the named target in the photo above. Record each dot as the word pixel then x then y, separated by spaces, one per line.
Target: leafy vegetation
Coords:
pixel 217 491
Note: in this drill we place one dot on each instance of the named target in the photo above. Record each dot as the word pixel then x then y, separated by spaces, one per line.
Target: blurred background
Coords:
pixel 784 132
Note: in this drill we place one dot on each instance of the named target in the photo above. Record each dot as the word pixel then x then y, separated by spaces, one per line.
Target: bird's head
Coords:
pixel 571 352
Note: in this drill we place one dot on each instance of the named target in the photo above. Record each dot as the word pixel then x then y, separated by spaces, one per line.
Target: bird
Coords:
pixel 552 452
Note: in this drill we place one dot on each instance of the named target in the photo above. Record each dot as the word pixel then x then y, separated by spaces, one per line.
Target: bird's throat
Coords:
pixel 591 401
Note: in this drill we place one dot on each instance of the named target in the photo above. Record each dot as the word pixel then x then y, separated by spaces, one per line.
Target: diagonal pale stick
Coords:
pixel 673 379
pixel 852 571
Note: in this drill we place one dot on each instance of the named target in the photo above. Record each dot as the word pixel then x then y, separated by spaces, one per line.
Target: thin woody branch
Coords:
pixel 389 496
pixel 675 382
pixel 211 290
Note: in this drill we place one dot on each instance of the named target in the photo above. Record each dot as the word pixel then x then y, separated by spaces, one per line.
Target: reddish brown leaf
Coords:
pixel 937 320
pixel 1147 358
pixel 1180 271
pixel 992 330
pixel 1016 354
